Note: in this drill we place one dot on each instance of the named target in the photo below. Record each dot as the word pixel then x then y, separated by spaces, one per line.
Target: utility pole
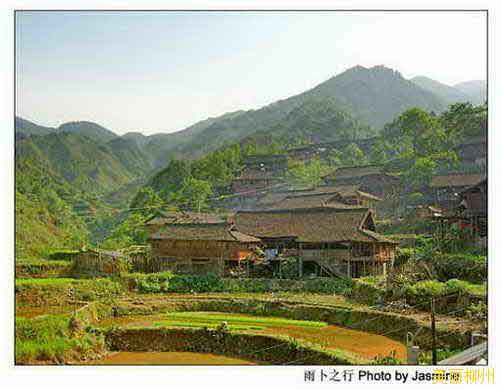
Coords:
pixel 433 328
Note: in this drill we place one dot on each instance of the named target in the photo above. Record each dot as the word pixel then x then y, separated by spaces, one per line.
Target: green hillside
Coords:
pixel 447 93
pixel 88 129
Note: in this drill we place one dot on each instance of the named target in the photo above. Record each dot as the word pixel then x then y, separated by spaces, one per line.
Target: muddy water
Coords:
pixel 363 344
pixel 35 311
pixel 174 358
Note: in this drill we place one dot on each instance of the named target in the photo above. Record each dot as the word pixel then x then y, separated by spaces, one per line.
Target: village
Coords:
pixel 336 267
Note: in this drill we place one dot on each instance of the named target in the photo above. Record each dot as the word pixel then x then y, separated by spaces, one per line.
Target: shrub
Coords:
pixel 195 283
pixel 465 266
pixel 341 286
pixel 403 255
pixel 49 338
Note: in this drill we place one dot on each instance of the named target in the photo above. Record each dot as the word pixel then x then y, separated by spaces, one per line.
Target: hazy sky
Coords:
pixel 163 71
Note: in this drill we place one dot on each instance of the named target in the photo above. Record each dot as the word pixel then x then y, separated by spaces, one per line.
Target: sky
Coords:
pixel 163 71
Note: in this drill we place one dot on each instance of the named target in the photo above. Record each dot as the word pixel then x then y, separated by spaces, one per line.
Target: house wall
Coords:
pixel 99 264
pixel 198 256
pixel 380 185
pixel 252 184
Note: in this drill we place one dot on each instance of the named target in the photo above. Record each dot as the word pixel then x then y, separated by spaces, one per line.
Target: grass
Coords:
pixel 48 338
pixel 234 321
pixel 46 281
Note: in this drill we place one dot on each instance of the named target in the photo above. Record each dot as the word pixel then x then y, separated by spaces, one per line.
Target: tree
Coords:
pixel 147 201
pixel 380 152
pixel 353 155
pixel 419 174
pixel 423 130
pixel 335 158
pixel 194 194
pixel 464 120
pixel 171 178
pixel 306 174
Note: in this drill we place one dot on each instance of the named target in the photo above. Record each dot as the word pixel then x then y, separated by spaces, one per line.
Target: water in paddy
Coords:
pixel 363 344
pixel 35 311
pixel 173 358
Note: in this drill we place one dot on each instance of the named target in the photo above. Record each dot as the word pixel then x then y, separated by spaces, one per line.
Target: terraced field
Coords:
pixel 361 344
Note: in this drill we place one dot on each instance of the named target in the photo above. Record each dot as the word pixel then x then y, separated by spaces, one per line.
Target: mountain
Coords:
pixel 82 161
pixel 376 95
pixel 27 128
pixel 447 93
pixel 372 96
pixel 88 129
pixel 475 89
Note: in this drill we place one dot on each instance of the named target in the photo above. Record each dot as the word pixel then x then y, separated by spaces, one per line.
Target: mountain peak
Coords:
pixel 88 129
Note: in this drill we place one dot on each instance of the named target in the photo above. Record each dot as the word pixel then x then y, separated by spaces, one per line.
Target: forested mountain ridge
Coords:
pixel 80 177
pixel 446 92
pixel 476 89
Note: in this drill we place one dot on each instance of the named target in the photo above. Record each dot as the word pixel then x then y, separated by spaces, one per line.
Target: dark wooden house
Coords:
pixel 370 178
pixel 445 189
pixel 323 150
pixel 201 245
pixel 326 240
pixel 473 151
pixel 337 197
pixel 474 207
pixel 350 195
pixel 260 172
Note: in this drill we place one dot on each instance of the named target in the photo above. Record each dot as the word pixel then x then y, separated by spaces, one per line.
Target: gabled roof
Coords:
pixel 322 224
pixel 356 171
pixel 341 191
pixel 205 232
pixel 185 217
pixel 310 200
pixel 476 187
pixel 456 180
pixel 257 174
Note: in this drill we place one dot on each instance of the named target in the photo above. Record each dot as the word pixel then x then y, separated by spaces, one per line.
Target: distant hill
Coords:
pixel 26 128
pixel 476 90
pixel 82 161
pixel 376 95
pixel 449 94
pixel 371 96
pixel 88 129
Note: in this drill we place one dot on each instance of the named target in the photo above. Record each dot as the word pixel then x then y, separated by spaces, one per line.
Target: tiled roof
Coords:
pixel 205 232
pixel 309 201
pixel 272 197
pixel 185 217
pixel 256 174
pixel 457 180
pixel 357 171
pixel 321 224
pixel 343 191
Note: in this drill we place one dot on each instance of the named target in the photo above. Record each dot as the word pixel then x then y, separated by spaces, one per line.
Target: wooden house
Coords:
pixel 260 172
pixel 473 151
pixel 201 245
pixel 349 195
pixel 326 240
pixel 322 150
pixel 445 189
pixel 370 178
pixel 474 207
pixel 250 181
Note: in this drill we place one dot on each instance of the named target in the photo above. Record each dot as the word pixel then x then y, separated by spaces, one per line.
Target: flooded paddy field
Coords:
pixel 331 337
pixel 35 311
pixel 169 358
